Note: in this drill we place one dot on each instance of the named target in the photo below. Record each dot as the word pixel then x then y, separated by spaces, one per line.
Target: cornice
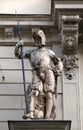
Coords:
pixel 43 19
pixel 52 20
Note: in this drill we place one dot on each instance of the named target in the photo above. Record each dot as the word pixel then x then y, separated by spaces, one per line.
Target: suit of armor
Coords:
pixel 43 79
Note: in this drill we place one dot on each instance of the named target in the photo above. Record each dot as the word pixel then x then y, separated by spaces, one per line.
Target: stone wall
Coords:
pixel 12 102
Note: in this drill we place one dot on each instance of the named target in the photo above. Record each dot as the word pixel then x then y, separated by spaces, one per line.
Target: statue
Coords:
pixel 42 90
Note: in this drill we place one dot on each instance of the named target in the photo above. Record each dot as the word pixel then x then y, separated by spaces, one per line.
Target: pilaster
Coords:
pixel 70 33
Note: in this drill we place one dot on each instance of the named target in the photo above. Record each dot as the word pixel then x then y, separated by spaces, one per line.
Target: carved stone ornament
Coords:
pixel 70 27
pixel 70 63
pixel 9 33
pixel 70 44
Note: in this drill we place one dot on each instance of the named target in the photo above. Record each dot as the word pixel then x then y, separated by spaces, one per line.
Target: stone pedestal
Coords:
pixel 39 125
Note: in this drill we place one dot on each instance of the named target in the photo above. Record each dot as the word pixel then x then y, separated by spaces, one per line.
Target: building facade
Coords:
pixel 61 20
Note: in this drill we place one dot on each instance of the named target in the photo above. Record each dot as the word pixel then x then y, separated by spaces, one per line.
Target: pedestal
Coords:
pixel 39 125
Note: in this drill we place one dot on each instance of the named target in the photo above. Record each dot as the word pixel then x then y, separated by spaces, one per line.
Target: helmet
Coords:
pixel 39 38
pixel 43 37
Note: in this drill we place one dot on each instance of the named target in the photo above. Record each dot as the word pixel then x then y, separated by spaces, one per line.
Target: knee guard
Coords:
pixel 49 95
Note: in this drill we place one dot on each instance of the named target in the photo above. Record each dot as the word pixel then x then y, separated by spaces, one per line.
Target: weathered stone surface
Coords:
pixel 37 124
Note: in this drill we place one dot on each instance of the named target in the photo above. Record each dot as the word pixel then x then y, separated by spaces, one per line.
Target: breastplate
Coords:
pixel 40 57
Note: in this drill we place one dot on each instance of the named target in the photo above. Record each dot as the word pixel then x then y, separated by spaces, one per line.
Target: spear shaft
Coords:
pixel 22 60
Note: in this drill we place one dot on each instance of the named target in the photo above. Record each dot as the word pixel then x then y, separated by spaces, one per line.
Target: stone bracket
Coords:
pixel 70 32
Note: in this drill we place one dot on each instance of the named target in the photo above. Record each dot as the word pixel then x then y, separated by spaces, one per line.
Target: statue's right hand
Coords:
pixel 20 43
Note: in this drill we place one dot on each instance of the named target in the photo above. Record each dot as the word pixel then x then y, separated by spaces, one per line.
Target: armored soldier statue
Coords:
pixel 43 77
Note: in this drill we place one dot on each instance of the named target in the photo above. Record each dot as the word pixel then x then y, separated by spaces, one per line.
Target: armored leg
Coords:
pixel 49 88
pixel 32 102
pixel 49 104
pixel 35 93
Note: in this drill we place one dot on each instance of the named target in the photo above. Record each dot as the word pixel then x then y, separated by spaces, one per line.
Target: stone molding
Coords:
pixel 37 124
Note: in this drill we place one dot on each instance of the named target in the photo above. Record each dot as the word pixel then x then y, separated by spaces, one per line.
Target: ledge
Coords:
pixel 39 125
